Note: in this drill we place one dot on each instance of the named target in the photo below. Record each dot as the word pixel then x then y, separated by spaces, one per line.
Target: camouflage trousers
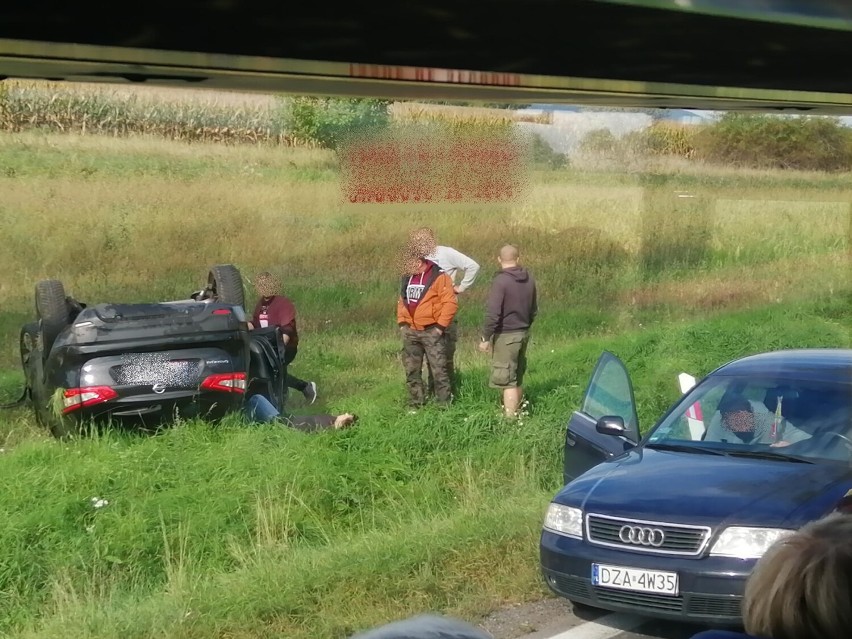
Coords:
pixel 451 336
pixel 415 346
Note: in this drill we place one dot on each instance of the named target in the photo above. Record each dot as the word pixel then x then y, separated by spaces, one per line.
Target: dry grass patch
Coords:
pixel 781 281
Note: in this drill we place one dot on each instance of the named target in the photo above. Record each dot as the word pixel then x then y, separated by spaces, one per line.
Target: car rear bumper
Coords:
pixel 710 588
pixel 162 408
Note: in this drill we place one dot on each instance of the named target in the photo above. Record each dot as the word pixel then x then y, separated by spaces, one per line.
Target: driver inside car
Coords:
pixel 742 421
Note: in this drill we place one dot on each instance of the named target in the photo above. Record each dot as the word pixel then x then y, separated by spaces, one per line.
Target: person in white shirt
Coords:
pixel 743 421
pixel 452 262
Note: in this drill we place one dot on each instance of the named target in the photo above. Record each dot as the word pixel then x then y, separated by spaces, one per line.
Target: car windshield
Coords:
pixel 766 417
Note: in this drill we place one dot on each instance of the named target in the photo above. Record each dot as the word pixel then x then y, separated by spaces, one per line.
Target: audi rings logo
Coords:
pixel 641 536
pixel 159 388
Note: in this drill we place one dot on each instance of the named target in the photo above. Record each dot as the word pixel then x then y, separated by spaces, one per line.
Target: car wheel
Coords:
pixel 38 393
pixel 29 343
pixel 29 352
pixel 63 428
pixel 52 311
pixel 227 284
pixel 44 404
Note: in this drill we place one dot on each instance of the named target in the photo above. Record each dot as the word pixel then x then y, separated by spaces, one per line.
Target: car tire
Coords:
pixel 36 393
pixel 51 310
pixel 29 351
pixel 227 284
pixel 29 342
pixel 42 403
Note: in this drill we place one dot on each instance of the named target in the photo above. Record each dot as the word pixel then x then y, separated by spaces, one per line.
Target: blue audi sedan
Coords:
pixel 670 525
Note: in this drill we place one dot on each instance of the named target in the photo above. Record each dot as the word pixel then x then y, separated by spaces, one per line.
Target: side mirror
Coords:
pixel 611 425
pixel 686 381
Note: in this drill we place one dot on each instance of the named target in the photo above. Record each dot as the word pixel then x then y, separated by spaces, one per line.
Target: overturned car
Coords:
pixel 149 363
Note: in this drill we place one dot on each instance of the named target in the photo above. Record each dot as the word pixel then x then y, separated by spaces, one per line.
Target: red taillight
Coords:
pixel 226 382
pixel 222 311
pixel 74 398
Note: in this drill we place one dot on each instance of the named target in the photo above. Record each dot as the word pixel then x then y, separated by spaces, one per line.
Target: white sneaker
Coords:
pixel 310 392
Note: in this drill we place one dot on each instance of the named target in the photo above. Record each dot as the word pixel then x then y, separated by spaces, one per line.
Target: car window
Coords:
pixel 688 424
pixel 610 393
pixel 797 417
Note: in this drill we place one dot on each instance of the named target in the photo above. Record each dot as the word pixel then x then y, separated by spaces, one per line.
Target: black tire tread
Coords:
pixel 228 284
pixel 52 311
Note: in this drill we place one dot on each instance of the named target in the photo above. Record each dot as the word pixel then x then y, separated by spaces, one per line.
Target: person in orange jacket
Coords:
pixel 425 309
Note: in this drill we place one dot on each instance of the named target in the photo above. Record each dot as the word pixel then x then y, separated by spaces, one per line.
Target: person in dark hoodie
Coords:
pixel 510 311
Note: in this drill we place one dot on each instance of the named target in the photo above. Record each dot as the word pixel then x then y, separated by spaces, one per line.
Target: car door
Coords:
pixel 609 393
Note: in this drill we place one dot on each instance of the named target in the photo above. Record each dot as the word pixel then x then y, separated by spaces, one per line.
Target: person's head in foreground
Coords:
pixel 267 285
pixel 802 587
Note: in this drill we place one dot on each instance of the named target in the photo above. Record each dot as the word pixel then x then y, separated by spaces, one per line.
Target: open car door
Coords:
pixel 609 394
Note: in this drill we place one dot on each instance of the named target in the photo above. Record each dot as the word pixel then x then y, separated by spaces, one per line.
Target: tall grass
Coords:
pixel 262 532
pixel 92 210
pixel 255 531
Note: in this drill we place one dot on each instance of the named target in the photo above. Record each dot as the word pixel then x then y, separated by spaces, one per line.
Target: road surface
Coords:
pixel 555 619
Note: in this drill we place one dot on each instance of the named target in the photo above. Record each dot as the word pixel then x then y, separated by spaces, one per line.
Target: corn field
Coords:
pixel 54 107
pixel 661 139
pixel 421 113
pixel 670 139
pixel 122 111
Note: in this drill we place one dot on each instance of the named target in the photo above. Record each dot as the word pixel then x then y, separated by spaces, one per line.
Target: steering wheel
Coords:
pixel 846 441
pixel 844 438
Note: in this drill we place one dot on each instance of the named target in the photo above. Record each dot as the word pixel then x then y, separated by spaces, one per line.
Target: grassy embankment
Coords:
pixel 258 532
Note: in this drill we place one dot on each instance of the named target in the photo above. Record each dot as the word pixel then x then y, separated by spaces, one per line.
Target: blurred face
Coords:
pixel 740 421
pixel 413 266
pixel 266 294
pixel 267 286
pixel 422 243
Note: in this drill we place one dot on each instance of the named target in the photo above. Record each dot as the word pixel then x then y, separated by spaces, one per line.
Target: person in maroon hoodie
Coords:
pixel 275 309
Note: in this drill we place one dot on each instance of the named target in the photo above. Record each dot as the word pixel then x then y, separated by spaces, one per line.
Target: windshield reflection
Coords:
pixel 797 418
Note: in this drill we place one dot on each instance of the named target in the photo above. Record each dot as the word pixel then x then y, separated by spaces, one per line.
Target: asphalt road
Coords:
pixel 555 619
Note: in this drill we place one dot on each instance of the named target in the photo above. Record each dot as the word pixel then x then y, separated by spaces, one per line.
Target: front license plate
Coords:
pixel 635 579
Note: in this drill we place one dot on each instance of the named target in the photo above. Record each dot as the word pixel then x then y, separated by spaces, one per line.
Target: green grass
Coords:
pixel 248 531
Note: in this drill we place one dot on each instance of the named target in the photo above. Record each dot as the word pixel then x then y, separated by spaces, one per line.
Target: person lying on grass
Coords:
pixel 259 409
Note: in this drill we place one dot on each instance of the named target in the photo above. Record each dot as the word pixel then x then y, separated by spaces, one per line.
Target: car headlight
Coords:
pixel 564 520
pixel 746 543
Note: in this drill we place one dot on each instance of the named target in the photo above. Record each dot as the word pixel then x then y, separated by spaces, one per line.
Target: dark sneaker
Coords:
pixel 310 392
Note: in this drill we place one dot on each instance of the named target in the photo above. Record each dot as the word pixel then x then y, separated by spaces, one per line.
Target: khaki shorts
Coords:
pixel 509 359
